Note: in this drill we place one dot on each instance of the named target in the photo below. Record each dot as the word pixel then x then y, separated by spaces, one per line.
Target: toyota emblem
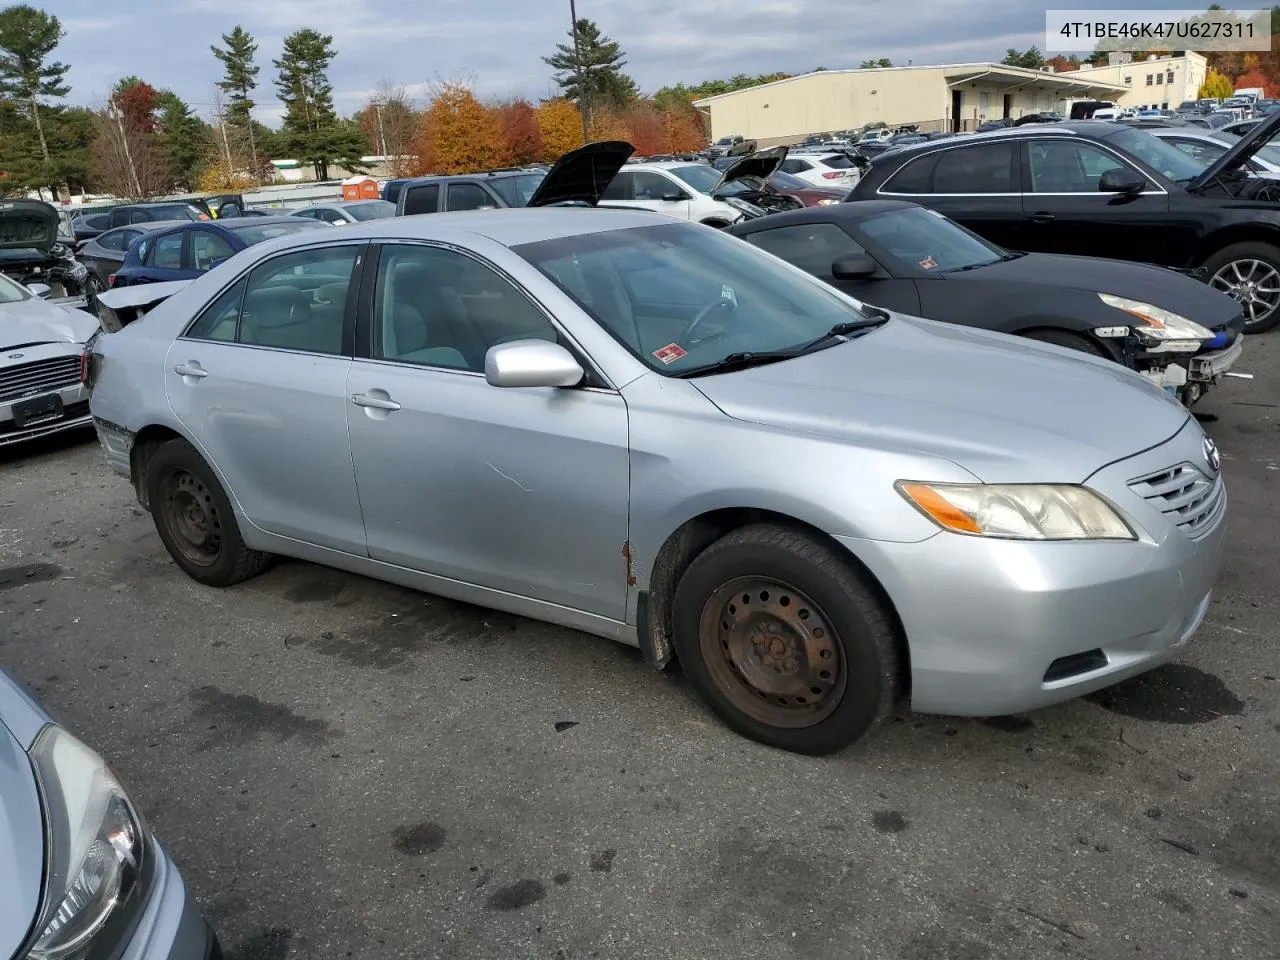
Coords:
pixel 15 356
pixel 1211 455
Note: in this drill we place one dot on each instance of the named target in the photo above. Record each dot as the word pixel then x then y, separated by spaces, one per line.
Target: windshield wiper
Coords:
pixel 844 328
pixel 748 358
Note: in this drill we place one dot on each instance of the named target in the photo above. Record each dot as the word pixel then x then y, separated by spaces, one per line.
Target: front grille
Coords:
pixel 39 376
pixel 1186 496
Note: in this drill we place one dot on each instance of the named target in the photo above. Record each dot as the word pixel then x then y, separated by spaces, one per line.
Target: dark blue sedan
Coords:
pixel 185 252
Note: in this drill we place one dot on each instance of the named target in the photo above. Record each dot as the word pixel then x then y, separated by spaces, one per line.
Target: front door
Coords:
pixel 1064 212
pixel 522 490
pixel 649 190
pixel 260 380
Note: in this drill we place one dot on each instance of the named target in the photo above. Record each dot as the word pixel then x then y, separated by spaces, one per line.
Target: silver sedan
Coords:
pixel 653 432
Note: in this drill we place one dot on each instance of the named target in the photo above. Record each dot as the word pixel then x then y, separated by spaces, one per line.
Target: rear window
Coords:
pixel 984 169
pixel 422 199
pixel 373 210
pixel 915 177
pixel 258 232
pixel 174 211
pixel 837 162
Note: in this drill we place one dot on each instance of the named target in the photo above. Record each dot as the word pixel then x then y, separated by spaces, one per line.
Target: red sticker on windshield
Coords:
pixel 928 263
pixel 670 353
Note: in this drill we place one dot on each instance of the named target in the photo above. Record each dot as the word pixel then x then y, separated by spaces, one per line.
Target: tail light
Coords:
pixel 833 175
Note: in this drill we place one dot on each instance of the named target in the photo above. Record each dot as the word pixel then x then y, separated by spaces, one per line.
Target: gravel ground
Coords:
pixel 344 768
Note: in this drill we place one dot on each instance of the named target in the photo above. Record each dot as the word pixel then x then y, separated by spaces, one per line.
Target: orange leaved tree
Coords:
pixel 561 128
pixel 521 131
pixel 459 134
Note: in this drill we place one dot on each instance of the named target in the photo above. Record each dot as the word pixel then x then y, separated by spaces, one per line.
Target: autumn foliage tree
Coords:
pixel 561 127
pixel 459 134
pixel 521 131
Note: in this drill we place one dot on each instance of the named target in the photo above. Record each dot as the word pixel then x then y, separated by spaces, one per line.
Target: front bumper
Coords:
pixel 171 927
pixel 1002 626
pixel 74 400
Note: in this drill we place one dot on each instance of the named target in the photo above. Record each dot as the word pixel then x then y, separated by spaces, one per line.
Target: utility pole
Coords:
pixel 128 156
pixel 584 106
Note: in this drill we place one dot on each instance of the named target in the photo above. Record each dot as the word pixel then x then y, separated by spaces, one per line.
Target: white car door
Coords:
pixel 650 190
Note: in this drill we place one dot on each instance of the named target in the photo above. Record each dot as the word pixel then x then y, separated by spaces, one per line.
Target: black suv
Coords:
pixel 1101 189
pixel 473 191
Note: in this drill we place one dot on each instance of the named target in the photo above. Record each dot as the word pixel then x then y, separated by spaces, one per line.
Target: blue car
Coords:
pixel 186 251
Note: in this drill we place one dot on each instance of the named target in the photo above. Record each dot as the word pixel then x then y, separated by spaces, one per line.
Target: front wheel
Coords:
pixel 1249 273
pixel 784 641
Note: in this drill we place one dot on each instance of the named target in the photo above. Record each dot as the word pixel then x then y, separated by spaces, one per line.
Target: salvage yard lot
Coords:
pixel 345 768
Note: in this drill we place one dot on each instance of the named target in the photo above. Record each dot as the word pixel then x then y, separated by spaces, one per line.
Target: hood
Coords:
pixel 1158 286
pixel 34 321
pixel 21 822
pixel 1006 409
pixel 760 164
pixel 582 175
pixel 1240 153
pixel 28 223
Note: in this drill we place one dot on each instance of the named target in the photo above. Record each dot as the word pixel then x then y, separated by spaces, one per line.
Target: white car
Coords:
pixel 678 189
pixel 1207 146
pixel 877 135
pixel 822 169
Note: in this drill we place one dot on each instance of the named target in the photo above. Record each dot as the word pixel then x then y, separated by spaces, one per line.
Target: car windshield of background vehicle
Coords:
pixel 701 177
pixel 256 233
pixel 1268 152
pixel 1157 154
pixel 680 296
pixel 925 239
pixel 517 190
pixel 373 210
pixel 11 291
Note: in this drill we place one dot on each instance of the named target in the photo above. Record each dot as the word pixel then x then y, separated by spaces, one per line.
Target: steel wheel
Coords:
pixel 188 510
pixel 773 652
pixel 1254 283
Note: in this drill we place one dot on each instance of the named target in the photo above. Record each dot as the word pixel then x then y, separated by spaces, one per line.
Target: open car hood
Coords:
pixel 28 224
pixel 582 175
pixel 1240 153
pixel 120 306
pixel 760 164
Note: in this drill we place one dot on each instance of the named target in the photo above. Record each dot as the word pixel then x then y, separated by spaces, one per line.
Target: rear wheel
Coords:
pixel 1249 273
pixel 780 636
pixel 194 518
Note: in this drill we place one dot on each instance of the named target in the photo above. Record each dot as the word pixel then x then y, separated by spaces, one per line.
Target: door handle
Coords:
pixel 1042 217
pixel 377 403
pixel 185 370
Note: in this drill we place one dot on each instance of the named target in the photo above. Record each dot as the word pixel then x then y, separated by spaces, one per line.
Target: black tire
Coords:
pixel 804 591
pixel 194 518
pixel 1073 341
pixel 1261 260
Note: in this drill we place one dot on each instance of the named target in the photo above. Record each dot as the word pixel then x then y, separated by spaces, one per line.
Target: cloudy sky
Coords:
pixel 497 44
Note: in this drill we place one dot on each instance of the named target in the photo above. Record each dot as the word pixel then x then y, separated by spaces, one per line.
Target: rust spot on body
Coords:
pixel 626 554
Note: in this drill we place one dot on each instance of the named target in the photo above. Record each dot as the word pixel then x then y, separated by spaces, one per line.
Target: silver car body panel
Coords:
pixel 556 503
pixel 21 829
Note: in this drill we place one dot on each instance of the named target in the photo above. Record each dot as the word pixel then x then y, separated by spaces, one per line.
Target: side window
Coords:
pixel 915 177
pixel 653 186
pixel 1200 150
pixel 983 169
pixel 440 308
pixel 298 301
pixel 309 214
pixel 469 196
pixel 793 165
pixel 115 240
pixel 139 216
pixel 619 187
pixel 811 246
pixel 219 319
pixel 423 199
pixel 206 247
pixel 166 252
pixel 1063 166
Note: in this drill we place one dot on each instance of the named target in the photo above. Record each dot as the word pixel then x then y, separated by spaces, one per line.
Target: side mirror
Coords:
pixel 674 197
pixel 531 363
pixel 40 290
pixel 854 266
pixel 1121 181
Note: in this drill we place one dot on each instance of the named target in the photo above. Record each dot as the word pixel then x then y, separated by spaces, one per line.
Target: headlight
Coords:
pixel 748 209
pixel 1156 322
pixel 1018 511
pixel 95 846
pixel 827 202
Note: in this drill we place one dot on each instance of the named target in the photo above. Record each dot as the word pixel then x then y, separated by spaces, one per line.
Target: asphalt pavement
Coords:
pixel 343 768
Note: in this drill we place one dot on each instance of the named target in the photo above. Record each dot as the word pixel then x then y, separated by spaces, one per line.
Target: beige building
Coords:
pixel 947 97
pixel 1162 82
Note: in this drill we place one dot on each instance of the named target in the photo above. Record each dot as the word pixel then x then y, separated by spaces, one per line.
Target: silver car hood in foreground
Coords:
pixel 21 823
pixel 1007 410
pixel 34 321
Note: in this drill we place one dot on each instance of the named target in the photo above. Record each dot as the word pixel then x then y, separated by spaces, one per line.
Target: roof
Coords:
pixel 1097 129
pixel 995 73
pixel 849 212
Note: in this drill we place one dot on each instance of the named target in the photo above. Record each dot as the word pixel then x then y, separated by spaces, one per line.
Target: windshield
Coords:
pixel 373 210
pixel 258 232
pixel 701 177
pixel 1268 152
pixel 680 296
pixel 926 239
pixel 519 189
pixel 11 291
pixel 1157 154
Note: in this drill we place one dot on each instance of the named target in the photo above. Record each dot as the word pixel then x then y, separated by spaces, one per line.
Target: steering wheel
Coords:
pixel 719 303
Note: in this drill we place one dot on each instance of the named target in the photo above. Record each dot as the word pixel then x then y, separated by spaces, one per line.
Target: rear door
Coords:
pixel 161 259
pixel 1065 212
pixel 259 380
pixel 419 198
pixel 978 185
pixel 465 195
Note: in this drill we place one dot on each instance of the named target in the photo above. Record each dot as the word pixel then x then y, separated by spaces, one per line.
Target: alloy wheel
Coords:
pixel 1254 283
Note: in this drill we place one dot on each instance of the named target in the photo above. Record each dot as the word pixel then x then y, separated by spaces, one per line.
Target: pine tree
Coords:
pixel 311 128
pixel 27 39
pixel 591 75
pixel 183 136
pixel 239 81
